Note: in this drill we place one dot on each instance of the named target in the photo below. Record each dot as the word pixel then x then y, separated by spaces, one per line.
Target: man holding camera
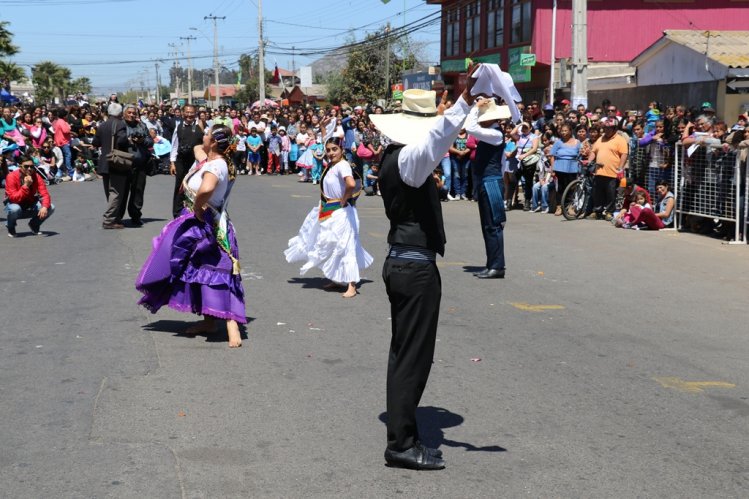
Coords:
pixel 26 196
pixel 139 142
pixel 187 135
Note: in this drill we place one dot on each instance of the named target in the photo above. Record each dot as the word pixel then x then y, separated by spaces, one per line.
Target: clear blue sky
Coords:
pixel 81 34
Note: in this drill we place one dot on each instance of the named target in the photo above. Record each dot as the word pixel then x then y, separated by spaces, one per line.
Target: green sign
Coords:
pixel 519 73
pixel 489 59
pixel 453 65
pixel 182 102
pixel 461 65
pixel 527 59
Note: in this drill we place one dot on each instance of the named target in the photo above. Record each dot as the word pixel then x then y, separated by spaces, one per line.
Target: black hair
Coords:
pixel 338 141
pixel 663 183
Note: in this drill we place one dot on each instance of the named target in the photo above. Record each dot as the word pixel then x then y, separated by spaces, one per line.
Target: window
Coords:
pixel 452 32
pixel 495 24
pixel 521 21
pixel 472 26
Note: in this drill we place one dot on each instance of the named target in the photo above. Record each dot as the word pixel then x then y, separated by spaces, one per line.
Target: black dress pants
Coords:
pixel 604 194
pixel 182 165
pixel 414 288
pixel 137 192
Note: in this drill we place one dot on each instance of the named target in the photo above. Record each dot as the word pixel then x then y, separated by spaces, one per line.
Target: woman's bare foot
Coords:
pixel 207 325
pixel 351 291
pixel 235 339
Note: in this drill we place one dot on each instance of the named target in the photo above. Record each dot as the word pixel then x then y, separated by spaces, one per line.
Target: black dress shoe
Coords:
pixel 415 458
pixel 432 451
pixel 483 272
pixel 136 222
pixel 492 274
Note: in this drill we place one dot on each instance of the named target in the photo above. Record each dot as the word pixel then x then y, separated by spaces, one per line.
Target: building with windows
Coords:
pixel 501 31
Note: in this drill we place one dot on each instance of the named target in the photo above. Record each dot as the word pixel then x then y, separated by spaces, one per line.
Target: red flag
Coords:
pixel 276 76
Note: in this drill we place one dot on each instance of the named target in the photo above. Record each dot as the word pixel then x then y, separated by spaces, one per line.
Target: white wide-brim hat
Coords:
pixel 493 112
pixel 417 117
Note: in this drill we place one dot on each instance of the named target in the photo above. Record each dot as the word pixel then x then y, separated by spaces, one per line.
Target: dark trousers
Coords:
pixel 492 216
pixel 117 192
pixel 527 174
pixel 604 194
pixel 563 180
pixel 182 165
pixel 414 289
pixel 137 190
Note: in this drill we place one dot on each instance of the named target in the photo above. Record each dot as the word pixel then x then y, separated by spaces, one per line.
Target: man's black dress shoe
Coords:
pixel 483 272
pixel 432 451
pixel 492 274
pixel 415 458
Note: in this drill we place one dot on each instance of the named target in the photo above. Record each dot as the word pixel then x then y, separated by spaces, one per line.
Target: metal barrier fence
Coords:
pixel 710 182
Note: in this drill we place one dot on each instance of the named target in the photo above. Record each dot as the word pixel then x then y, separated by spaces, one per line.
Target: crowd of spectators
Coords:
pixel 543 154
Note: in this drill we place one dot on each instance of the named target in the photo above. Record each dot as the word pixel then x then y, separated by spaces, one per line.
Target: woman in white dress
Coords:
pixel 329 236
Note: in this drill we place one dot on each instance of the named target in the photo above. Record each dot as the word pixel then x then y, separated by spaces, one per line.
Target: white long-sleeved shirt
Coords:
pixel 418 160
pixel 492 136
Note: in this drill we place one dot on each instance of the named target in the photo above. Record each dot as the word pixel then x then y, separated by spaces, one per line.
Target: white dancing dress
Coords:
pixel 329 236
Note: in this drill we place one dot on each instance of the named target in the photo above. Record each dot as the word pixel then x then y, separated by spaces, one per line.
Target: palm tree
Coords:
pixel 50 80
pixel 6 47
pixel 10 71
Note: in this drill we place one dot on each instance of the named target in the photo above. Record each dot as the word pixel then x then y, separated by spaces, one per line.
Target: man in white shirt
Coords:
pixel 420 140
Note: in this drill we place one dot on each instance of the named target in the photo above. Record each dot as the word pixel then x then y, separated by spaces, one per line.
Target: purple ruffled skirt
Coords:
pixel 189 272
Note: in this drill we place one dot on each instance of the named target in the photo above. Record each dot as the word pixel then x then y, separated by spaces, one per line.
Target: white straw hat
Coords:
pixel 417 117
pixel 493 112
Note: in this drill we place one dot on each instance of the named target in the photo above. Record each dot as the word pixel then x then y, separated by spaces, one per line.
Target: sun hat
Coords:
pixel 493 112
pixel 417 117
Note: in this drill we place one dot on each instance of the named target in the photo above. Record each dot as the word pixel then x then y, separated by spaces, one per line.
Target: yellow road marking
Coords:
pixel 376 234
pixel 451 264
pixel 300 196
pixel 527 307
pixel 691 386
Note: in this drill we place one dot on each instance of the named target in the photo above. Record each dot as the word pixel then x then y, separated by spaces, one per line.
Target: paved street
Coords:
pixel 609 363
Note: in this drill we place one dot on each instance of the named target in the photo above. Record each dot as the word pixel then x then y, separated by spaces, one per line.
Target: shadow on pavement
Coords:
pixel 177 328
pixel 472 269
pixel 433 420
pixel 321 283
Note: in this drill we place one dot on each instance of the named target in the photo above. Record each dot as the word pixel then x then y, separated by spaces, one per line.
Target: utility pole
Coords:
pixel 387 61
pixel 177 86
pixel 216 67
pixel 260 53
pixel 158 96
pixel 189 67
pixel 293 68
pixel 580 52
pixel 553 51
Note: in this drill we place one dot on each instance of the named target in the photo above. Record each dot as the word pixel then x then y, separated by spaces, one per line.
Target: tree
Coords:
pixel 6 38
pixel 248 66
pixel 79 85
pixel 363 78
pixel 51 80
pixel 10 71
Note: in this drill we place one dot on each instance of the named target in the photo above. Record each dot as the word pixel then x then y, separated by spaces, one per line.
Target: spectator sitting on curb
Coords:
pixel 26 196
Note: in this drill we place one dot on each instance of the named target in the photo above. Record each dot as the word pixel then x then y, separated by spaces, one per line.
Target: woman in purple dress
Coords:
pixel 194 265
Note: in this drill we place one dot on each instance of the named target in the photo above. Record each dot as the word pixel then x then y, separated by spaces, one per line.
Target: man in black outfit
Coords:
pixel 187 135
pixel 139 142
pixel 420 140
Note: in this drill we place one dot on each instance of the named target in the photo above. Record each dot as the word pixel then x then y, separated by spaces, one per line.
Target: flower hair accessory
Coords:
pixel 221 136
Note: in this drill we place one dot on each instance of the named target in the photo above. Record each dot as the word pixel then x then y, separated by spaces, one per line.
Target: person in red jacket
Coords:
pixel 26 196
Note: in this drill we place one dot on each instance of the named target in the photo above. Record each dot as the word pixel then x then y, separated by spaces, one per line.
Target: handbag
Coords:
pixel 364 152
pixel 119 161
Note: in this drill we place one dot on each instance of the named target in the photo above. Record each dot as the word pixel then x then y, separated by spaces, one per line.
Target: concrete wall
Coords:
pixel 678 64
pixel 692 94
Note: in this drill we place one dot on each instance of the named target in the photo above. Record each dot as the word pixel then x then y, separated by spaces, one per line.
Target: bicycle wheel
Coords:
pixel 574 200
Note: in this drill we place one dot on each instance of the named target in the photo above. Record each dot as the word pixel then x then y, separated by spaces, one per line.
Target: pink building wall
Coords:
pixel 632 26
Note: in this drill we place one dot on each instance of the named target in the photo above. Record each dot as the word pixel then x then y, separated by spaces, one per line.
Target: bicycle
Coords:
pixel 577 198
